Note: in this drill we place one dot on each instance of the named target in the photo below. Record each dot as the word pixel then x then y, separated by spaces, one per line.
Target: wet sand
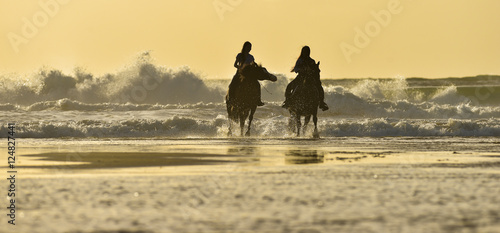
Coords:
pixel 259 186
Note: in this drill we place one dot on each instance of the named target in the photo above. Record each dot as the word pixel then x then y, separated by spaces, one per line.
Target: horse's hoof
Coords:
pixel 229 134
pixel 316 135
pixel 247 134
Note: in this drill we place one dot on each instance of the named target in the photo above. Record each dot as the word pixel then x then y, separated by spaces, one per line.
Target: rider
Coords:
pixel 303 66
pixel 242 60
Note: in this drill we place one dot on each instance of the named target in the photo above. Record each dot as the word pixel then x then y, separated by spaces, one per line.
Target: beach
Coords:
pixel 345 184
pixel 394 155
pixel 119 117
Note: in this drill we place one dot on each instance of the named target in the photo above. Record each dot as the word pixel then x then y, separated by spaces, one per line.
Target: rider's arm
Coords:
pixel 298 66
pixel 236 65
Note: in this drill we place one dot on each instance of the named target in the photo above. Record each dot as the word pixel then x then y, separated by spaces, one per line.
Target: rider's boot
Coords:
pixel 323 106
pixel 285 104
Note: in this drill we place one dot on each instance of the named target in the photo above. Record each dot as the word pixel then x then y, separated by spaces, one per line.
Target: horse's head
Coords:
pixel 258 72
pixel 316 70
pixel 313 73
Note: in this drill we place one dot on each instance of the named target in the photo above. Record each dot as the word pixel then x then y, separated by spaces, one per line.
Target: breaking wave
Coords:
pixel 271 127
pixel 146 100
pixel 142 82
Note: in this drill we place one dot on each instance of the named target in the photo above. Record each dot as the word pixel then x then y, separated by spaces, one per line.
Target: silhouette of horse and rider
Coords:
pixel 303 96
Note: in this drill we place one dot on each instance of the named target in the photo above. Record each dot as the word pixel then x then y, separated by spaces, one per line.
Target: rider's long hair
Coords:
pixel 247 46
pixel 305 52
pixel 305 55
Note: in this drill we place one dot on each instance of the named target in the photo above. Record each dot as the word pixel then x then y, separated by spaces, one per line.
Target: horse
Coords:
pixel 305 102
pixel 246 97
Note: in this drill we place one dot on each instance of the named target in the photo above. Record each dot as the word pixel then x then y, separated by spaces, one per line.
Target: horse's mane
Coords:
pixel 252 66
pixel 310 76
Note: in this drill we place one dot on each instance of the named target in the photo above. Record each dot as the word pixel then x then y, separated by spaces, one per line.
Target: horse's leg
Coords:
pixel 306 121
pixel 315 120
pixel 290 123
pixel 229 112
pixel 299 124
pixel 242 123
pixel 250 118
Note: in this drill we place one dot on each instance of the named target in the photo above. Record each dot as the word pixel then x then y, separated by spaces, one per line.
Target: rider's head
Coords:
pixel 306 52
pixel 247 46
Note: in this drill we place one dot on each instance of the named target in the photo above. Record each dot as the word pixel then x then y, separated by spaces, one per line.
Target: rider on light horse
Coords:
pixel 303 67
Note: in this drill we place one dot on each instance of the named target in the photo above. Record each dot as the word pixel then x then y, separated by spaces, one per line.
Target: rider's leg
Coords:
pixel 233 86
pixel 288 92
pixel 321 92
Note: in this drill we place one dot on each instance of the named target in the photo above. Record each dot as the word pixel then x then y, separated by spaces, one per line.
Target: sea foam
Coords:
pixel 146 100
pixel 141 82
pixel 276 127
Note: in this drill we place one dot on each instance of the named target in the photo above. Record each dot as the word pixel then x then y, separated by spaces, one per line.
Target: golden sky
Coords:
pixel 351 38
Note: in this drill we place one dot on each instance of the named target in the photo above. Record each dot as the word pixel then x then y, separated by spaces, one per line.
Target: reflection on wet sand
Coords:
pixel 304 157
pixel 106 160
pixel 243 150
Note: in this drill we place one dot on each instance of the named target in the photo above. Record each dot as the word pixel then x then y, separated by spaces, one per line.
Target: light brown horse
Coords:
pixel 305 102
pixel 246 97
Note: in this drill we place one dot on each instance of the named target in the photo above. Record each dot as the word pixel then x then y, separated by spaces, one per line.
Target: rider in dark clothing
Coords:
pixel 242 60
pixel 303 67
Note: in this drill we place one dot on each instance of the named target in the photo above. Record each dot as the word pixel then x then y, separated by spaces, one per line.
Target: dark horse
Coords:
pixel 305 102
pixel 246 96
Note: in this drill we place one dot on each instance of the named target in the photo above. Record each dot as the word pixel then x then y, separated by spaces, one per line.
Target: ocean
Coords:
pixel 144 100
pixel 145 149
